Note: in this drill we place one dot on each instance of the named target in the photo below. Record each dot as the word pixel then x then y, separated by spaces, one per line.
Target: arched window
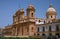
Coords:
pixel 38 34
pixel 34 34
pixel 32 29
pixel 57 34
pixel 32 14
pixel 51 16
pixel 39 21
pixel 50 34
pixel 44 22
pixel 43 34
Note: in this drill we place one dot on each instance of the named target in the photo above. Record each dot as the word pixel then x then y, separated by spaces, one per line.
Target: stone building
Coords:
pixel 7 30
pixel 50 26
pixel 24 25
pixel 29 25
pixel 1 32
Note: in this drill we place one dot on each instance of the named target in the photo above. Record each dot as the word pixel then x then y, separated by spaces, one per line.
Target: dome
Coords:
pixel 30 6
pixel 51 9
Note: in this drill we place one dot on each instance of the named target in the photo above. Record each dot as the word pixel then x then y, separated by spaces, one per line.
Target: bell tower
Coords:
pixel 51 14
pixel 30 11
pixel 31 19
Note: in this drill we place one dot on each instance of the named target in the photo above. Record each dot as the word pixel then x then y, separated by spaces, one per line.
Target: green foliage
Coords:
pixel 18 38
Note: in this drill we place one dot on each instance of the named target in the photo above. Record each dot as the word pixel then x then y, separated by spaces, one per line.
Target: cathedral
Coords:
pixel 29 25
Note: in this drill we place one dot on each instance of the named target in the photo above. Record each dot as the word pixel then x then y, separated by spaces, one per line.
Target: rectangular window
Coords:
pixel 57 28
pixel 38 29
pixel 50 28
pixel 43 29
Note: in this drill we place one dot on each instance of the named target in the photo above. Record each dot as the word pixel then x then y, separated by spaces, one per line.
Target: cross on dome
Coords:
pixel 50 5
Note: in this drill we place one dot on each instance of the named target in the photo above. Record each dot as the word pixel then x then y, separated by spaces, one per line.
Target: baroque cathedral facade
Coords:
pixel 30 26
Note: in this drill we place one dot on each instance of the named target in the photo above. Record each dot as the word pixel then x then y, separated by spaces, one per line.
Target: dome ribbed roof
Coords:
pixel 51 9
pixel 30 6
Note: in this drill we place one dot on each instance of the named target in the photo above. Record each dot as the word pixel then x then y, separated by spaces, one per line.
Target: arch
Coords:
pixel 32 14
pixel 32 28
pixel 39 21
pixel 43 34
pixel 50 34
pixel 38 34
pixel 51 16
pixel 57 34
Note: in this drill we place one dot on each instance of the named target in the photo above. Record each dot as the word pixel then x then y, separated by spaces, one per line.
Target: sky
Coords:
pixel 9 7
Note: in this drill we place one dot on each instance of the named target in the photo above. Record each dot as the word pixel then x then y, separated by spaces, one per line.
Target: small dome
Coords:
pixel 30 6
pixel 51 9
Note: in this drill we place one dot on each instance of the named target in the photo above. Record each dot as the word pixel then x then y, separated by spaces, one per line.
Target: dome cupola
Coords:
pixel 51 14
pixel 30 11
pixel 51 10
pixel 30 7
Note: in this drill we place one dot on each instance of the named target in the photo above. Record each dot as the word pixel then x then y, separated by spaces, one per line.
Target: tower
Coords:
pixel 51 14
pixel 30 11
pixel 31 19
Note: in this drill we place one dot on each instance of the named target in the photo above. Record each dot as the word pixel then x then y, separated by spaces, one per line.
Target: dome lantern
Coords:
pixel 50 5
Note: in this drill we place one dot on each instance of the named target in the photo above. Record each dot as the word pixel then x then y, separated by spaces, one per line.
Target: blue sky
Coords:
pixel 9 7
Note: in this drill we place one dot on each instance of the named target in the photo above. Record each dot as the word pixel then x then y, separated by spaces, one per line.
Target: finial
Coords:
pixel 30 5
pixel 51 5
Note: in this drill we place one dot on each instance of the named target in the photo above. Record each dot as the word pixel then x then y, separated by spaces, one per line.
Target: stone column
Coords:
pixel 13 32
pixel 16 31
pixel 22 31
